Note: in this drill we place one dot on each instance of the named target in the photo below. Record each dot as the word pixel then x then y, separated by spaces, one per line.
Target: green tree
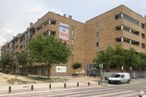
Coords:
pixel 120 57
pixel 105 58
pixel 77 66
pixel 124 57
pixel 140 61
pixel 22 60
pixel 6 61
pixel 49 50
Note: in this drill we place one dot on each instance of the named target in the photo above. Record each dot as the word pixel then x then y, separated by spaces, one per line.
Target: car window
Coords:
pixel 116 75
pixel 122 76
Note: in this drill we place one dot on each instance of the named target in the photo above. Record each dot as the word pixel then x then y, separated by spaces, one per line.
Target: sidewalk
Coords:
pixel 42 86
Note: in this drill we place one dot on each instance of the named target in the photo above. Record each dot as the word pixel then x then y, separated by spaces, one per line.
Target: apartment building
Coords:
pixel 120 25
pixel 51 24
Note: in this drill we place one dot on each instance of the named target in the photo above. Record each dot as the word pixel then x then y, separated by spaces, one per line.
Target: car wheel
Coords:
pixel 128 81
pixel 119 82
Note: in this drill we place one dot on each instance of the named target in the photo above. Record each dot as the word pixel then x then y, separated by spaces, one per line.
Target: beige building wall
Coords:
pixel 85 39
pixel 101 32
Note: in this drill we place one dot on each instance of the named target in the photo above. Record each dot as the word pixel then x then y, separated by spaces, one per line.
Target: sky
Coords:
pixel 15 15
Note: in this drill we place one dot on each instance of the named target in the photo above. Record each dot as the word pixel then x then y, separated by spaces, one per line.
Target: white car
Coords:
pixel 119 78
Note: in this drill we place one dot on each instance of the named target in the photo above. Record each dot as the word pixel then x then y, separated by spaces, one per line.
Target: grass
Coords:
pixel 36 80
pixel 18 81
pixel 44 79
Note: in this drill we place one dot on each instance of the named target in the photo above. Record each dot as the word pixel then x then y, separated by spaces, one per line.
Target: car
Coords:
pixel 119 78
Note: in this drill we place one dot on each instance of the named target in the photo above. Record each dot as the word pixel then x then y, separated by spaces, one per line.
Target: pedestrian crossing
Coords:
pixel 92 91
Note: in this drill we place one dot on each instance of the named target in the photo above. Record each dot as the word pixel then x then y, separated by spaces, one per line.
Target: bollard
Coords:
pixel 88 83
pixel 98 82
pixel 31 87
pixel 50 86
pixel 64 85
pixel 10 89
pixel 77 84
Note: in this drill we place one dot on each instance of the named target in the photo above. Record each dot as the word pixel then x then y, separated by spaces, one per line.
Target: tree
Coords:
pixel 124 57
pixel 6 61
pixel 120 57
pixel 105 58
pixel 22 60
pixel 77 66
pixel 140 61
pixel 49 50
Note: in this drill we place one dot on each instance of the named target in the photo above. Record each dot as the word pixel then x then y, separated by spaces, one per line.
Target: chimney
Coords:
pixel 70 16
pixel 30 24
pixel 38 19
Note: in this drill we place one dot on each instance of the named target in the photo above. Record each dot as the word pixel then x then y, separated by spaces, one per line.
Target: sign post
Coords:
pixel 101 72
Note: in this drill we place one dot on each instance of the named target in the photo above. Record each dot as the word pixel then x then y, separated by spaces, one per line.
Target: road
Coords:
pixel 135 84
pixel 92 91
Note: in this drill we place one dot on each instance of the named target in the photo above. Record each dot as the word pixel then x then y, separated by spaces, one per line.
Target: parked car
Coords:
pixel 119 78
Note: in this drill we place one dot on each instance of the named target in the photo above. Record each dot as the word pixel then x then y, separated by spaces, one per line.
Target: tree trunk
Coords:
pixel 49 70
pixel 16 69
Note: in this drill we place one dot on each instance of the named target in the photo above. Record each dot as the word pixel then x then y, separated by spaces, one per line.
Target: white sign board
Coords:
pixel 64 31
pixel 62 69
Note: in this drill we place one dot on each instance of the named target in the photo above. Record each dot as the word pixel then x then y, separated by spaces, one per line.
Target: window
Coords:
pixel 127 29
pixel 118 27
pixel 21 47
pixel 97 44
pixel 134 31
pixel 143 45
pixel 53 33
pixel 142 35
pixel 53 21
pixel 118 16
pixel 47 22
pixel 135 42
pixel 39 27
pixel 49 32
pixel 142 26
pixel 118 39
pixel 50 21
pixel 126 40
pixel 130 19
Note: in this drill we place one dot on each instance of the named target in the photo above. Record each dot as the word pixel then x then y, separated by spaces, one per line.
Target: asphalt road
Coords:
pixel 135 84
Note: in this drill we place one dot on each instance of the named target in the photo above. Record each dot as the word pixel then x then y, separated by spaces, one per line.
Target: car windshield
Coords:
pixel 116 75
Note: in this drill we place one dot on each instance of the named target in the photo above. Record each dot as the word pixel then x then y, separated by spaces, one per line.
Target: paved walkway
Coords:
pixel 84 91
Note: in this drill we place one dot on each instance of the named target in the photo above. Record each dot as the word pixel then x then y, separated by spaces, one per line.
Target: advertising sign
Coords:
pixel 61 69
pixel 64 32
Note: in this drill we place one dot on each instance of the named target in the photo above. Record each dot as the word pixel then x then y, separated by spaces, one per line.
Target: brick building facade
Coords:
pixel 119 25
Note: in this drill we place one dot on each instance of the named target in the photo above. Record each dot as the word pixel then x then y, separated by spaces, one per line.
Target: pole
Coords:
pixel 10 89
pixel 77 84
pixel 50 86
pixel 64 85
pixel 31 87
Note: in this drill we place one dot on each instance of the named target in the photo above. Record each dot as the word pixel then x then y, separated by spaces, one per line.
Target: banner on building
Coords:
pixel 64 32
pixel 61 69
